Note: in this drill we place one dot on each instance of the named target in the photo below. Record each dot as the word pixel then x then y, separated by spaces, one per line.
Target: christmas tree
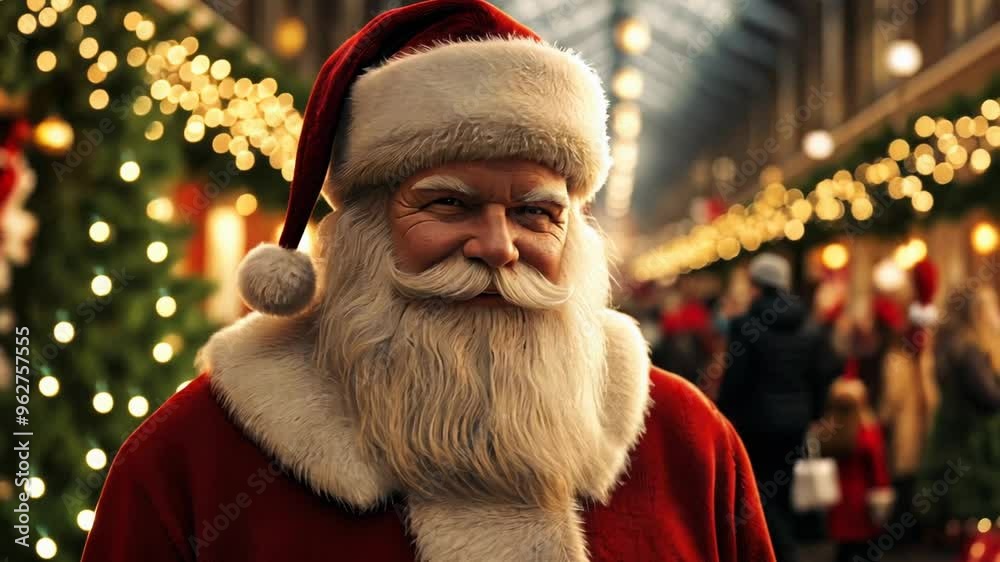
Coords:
pixel 120 98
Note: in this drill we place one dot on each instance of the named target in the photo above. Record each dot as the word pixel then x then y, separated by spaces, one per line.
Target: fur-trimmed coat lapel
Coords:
pixel 263 373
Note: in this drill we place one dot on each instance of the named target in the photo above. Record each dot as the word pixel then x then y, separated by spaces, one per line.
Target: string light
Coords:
pixel 246 204
pixel 834 256
pixel 27 24
pixel 54 135
pixel 129 171
pixel 85 519
pixel 103 402
pixel 985 238
pixel 157 252
pixel 35 487
pixel 63 332
pixel 99 231
pixel 96 459
pixel 101 285
pixel 181 386
pixel 138 406
pixel 86 14
pixel 46 61
pixel 48 386
pixel 160 209
pixel 163 352
pixel 166 306
pixel 47 17
pixel 627 84
pixel 46 548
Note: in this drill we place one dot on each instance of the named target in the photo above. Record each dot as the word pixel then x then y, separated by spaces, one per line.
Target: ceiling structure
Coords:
pixel 707 60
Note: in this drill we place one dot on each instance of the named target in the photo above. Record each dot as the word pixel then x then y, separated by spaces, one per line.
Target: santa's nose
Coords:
pixel 492 242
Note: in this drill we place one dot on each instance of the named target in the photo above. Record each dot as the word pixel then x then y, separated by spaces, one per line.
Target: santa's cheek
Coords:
pixel 426 244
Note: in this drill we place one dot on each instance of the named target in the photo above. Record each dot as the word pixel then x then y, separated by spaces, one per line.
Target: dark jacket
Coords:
pixel 780 366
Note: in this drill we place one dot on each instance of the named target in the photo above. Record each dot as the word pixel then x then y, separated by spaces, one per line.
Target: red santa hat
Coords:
pixel 922 311
pixel 419 86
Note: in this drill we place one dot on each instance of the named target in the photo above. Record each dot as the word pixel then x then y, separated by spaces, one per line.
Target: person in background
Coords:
pixel 858 446
pixel 686 336
pixel 964 446
pixel 909 393
pixel 779 369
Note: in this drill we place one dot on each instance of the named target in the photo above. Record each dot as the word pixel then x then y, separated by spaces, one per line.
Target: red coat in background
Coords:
pixel 194 481
pixel 865 470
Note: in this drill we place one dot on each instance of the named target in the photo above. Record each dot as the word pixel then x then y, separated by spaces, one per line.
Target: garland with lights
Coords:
pixel 944 163
pixel 122 96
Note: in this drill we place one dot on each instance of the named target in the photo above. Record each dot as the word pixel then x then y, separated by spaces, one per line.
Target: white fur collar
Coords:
pixel 262 372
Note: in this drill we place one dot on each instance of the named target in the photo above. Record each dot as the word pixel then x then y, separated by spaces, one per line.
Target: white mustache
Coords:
pixel 458 278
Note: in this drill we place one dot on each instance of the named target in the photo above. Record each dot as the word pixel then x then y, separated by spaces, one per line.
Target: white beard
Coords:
pixel 492 404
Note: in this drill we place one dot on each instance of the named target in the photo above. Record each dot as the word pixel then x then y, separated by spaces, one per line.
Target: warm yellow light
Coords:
pixel 63 332
pixel 627 120
pixel 35 5
pixel 289 37
pixel 103 402
pixel 220 69
pixel 181 386
pixel 145 30
pixel 220 143
pixel 909 254
pixel 627 83
pixel 835 256
pixel 200 64
pixel 818 144
pixel 980 160
pixel 176 55
pixel 728 248
pixel 96 459
pixel 160 209
pixel 922 201
pixel 138 406
pixel 925 164
pixel 958 156
pixel 794 229
pixel 132 20
pixel 157 252
pixel 633 36
pixel 46 548
pixel 903 58
pixel 985 238
pixel 85 519
pixel 862 209
pixel 99 98
pixel 925 126
pixel 47 17
pixel 899 149
pixel 27 24
pixel 54 136
pixel 136 57
pixel 993 136
pixel 964 127
pixel 99 231
pixel 100 285
pixel 86 14
pixel 190 44
pixel 61 5
pixel 246 204
pixel 194 131
pixel 107 61
pixel 35 487
pixel 46 61
pixel 129 171
pixel 990 110
pixel 944 173
pixel 163 352
pixel 154 131
pixel 166 306
pixel 95 75
pixel 244 160
pixel 48 386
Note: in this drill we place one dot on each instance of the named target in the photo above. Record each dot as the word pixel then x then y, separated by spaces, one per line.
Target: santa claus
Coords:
pixel 451 384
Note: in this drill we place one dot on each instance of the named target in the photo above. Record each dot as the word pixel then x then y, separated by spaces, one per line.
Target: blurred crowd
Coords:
pixel 902 394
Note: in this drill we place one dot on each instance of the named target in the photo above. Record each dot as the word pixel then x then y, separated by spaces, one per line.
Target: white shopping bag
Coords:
pixel 815 485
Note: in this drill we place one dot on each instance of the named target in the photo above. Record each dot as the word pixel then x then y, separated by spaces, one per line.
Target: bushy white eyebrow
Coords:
pixel 546 195
pixel 444 183
pixel 542 194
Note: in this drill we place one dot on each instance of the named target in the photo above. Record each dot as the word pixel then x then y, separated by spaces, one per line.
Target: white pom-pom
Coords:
pixel 924 315
pixel 276 281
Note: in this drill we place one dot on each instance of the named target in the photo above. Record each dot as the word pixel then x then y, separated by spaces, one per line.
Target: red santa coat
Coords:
pixel 194 481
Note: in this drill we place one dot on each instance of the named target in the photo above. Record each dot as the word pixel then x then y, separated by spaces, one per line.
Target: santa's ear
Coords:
pixel 275 280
